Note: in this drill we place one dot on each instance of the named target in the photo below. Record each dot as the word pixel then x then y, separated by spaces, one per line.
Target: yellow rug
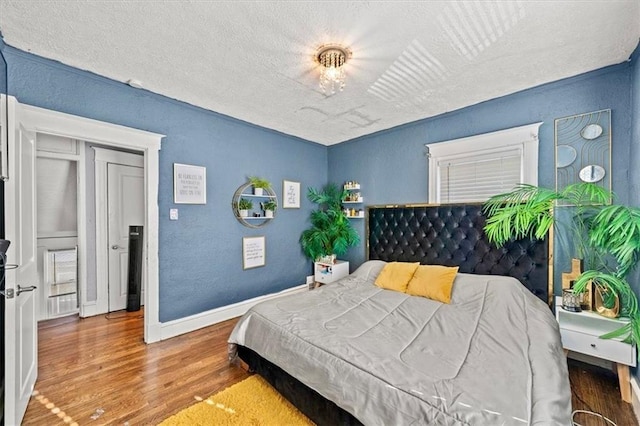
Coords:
pixel 250 402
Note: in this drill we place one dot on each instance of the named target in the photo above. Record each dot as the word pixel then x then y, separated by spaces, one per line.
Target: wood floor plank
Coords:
pixel 99 363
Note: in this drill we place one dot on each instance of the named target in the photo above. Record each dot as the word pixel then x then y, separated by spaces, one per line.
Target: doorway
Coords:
pixel 127 139
pixel 126 208
pixel 23 121
pixel 119 203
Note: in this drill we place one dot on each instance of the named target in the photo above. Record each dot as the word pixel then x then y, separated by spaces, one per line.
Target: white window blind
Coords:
pixel 478 178
pixel 475 168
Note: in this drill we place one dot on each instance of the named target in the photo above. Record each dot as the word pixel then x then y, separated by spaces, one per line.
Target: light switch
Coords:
pixel 173 214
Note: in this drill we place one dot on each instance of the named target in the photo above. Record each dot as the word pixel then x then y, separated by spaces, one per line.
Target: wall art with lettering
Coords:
pixel 253 252
pixel 189 184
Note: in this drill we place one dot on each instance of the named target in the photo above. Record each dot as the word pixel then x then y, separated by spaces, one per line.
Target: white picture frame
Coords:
pixel 253 252
pixel 290 194
pixel 189 184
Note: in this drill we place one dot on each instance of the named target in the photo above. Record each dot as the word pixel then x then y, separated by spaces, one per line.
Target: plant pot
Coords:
pixel 258 191
pixel 243 213
pixel 601 309
pixel 268 213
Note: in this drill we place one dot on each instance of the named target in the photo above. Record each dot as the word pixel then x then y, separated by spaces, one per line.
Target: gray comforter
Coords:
pixel 491 357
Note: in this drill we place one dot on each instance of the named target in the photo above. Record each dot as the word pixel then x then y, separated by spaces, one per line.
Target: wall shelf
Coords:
pixel 250 221
pixel 353 198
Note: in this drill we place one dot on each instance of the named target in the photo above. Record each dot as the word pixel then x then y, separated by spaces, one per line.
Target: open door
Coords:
pixel 21 336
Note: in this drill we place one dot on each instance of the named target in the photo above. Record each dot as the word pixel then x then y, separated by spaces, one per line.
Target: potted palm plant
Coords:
pixel 259 184
pixel 600 231
pixel 331 233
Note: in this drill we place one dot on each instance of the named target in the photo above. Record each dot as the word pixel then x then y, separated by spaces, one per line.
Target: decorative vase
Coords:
pixel 258 191
pixel 570 300
pixel 268 213
pixel 601 309
pixel 243 213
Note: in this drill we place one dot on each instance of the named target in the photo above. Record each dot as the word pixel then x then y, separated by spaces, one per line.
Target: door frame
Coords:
pixel 149 144
pixel 102 158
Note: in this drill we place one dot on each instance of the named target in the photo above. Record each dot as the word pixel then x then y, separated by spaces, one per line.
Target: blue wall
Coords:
pixel 200 254
pixel 634 159
pixel 634 187
pixel 392 167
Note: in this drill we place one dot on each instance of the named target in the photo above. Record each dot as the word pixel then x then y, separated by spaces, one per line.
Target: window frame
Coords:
pixel 523 137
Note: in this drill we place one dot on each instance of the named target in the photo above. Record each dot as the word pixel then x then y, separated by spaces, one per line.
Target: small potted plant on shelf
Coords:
pixel 269 208
pixel 331 233
pixel 606 236
pixel 259 184
pixel 244 206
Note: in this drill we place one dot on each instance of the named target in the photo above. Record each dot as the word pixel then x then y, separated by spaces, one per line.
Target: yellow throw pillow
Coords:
pixel 396 275
pixel 433 281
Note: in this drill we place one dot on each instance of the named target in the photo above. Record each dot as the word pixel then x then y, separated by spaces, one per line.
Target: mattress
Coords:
pixel 491 356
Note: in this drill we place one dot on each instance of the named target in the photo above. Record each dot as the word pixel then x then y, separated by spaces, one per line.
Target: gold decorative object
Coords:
pixel 601 309
pixel 569 277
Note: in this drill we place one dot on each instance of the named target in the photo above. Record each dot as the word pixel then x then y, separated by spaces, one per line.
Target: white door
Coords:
pixel 125 198
pixel 21 333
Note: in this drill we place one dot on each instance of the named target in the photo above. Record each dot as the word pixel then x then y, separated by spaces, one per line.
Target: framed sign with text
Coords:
pixel 189 184
pixel 253 252
pixel 290 194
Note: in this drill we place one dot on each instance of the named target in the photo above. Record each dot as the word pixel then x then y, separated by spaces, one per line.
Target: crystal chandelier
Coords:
pixel 332 58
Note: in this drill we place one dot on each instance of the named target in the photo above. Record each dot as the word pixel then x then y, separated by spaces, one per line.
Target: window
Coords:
pixel 478 167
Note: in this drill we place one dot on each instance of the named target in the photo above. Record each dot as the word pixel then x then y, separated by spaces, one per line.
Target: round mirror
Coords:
pixel 592 173
pixel 591 131
pixel 565 155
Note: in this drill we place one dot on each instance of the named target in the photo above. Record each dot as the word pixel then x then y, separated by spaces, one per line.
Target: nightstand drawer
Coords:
pixel 326 273
pixel 612 350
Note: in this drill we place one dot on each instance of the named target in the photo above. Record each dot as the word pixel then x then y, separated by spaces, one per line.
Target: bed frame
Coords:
pixel 450 235
pixel 453 235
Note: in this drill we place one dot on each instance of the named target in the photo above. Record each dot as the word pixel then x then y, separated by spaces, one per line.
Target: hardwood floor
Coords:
pixel 98 363
pixel 101 363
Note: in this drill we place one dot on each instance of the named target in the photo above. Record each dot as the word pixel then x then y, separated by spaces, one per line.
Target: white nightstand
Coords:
pixel 580 332
pixel 325 273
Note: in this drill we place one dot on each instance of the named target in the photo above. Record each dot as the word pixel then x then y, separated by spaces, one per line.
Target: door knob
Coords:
pixel 115 247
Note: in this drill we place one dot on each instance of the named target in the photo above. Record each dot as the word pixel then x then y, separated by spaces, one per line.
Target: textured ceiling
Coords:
pixel 254 60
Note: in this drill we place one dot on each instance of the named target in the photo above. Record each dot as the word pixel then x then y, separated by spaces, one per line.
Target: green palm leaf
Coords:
pixel 597 231
pixel 330 232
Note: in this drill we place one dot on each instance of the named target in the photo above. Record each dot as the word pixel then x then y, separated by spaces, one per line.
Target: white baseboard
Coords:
pixel 194 322
pixel 635 396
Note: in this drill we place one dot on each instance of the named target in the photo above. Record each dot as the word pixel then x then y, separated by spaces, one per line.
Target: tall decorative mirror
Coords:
pixel 583 149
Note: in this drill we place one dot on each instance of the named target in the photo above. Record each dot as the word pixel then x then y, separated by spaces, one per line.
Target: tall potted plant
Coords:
pixel 600 231
pixel 331 233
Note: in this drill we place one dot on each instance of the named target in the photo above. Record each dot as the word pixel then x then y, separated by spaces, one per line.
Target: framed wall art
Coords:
pixel 253 252
pixel 290 194
pixel 189 184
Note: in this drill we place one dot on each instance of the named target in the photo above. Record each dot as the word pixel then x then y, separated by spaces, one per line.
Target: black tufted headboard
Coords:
pixel 452 235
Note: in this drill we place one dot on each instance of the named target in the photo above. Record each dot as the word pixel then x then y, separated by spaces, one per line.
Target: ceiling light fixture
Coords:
pixel 332 58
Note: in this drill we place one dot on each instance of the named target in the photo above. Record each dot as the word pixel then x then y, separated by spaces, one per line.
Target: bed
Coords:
pixel 351 352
